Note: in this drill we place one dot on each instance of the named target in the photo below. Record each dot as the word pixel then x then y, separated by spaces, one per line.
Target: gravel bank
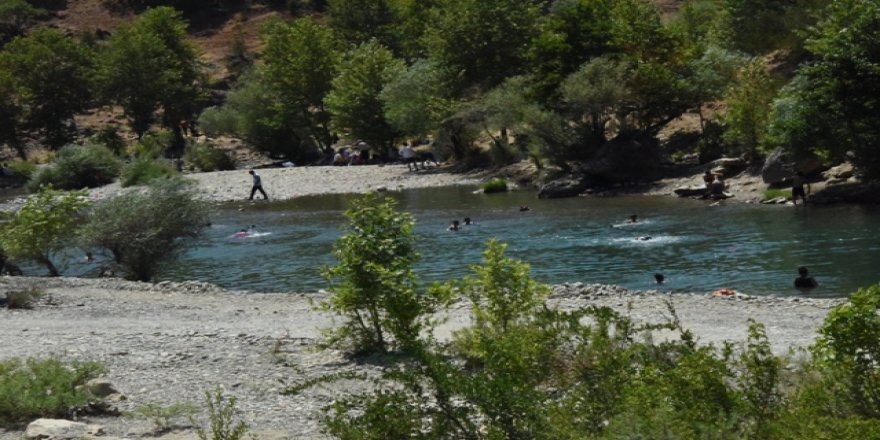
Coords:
pixel 289 183
pixel 170 342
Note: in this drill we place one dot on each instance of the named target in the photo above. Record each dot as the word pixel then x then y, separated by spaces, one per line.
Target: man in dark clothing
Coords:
pixel 804 280
pixel 258 186
pixel 797 188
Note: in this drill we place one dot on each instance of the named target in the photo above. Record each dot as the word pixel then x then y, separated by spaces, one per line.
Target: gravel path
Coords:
pixel 170 342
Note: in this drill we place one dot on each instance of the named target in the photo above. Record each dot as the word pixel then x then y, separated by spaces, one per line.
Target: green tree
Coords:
pixel 252 112
pixel 416 101
pixel 481 42
pixel 354 99
pixel 51 79
pixel 15 17
pixel 10 116
pixel 830 108
pixel 373 285
pixel 300 63
pixel 748 108
pixel 573 32
pixel 43 226
pixel 359 21
pixel 150 65
pixel 147 231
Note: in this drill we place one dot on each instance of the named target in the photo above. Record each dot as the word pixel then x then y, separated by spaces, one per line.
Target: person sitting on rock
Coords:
pixel 804 280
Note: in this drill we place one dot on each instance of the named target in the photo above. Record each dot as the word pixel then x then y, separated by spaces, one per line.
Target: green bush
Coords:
pixel 373 284
pixel 23 299
pixel 152 145
pixel 37 388
pixel 78 166
pixel 22 168
pixel 206 157
pixel 143 170
pixel 109 137
pixel 145 231
pixel 495 185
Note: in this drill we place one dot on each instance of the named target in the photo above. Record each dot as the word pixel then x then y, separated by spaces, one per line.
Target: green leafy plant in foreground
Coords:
pixel 221 419
pixel 34 388
pixel 374 287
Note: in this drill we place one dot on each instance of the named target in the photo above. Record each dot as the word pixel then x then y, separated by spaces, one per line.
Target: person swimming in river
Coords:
pixel 524 208
pixel 467 221
pixel 804 280
pixel 659 278
pixel 633 218
pixel 454 226
pixel 644 238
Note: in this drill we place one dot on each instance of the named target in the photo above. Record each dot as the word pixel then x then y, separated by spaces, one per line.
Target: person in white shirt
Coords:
pixel 258 186
pixel 409 157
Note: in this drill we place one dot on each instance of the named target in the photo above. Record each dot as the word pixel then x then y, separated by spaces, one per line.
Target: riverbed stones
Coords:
pixel 59 429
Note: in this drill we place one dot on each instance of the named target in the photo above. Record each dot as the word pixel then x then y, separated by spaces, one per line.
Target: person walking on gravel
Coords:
pixel 258 186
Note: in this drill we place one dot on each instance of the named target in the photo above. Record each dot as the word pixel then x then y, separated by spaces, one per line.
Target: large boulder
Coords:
pixel 630 157
pixel 57 429
pixel 780 165
pixel 839 174
pixel 728 166
pixel 569 186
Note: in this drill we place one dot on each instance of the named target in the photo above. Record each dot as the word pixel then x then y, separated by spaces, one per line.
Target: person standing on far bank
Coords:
pixel 797 188
pixel 258 186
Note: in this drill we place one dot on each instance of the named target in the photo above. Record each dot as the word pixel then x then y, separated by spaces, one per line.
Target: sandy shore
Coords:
pixel 170 342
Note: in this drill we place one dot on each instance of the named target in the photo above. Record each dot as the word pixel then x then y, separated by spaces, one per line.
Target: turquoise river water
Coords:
pixel 754 249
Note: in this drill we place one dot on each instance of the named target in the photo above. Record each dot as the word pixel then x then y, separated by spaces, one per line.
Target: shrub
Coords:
pixel 43 388
pixel 109 137
pixel 42 227
pixel 152 145
pixel 23 299
pixel 143 170
pixel 163 416
pixel 77 167
pixel 373 284
pixel 206 157
pixel 495 185
pixel 221 419
pixel 146 230
pixel 846 352
pixel 22 168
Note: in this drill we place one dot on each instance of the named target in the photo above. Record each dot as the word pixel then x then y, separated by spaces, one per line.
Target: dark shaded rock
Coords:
pixel 780 166
pixel 630 157
pixel 690 191
pixel 867 193
pixel 569 186
pixel 728 166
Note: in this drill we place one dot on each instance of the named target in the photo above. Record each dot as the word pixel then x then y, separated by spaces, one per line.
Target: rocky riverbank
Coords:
pixel 168 343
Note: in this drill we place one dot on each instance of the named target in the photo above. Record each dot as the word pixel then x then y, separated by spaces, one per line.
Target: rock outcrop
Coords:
pixel 780 166
pixel 568 186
